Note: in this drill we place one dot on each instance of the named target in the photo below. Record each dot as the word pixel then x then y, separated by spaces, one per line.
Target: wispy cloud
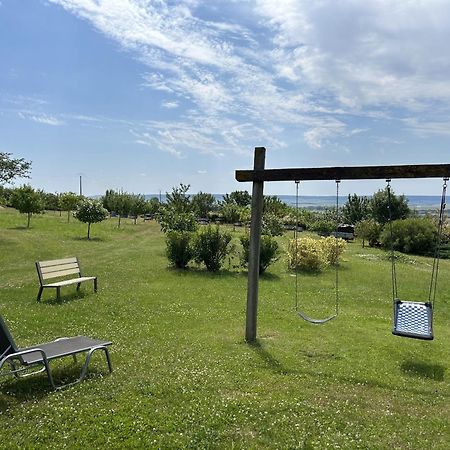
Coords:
pixel 41 118
pixel 310 65
pixel 170 105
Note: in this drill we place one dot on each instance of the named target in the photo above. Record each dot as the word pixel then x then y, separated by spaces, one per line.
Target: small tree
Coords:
pixel 379 206
pixel 239 198
pixel 369 230
pixel 51 201
pixel 11 168
pixel 90 211
pixel 178 200
pixel 138 206
pixel 273 205
pixel 69 202
pixel 356 209
pixel 152 206
pixel 27 201
pixel 121 204
pixel 202 203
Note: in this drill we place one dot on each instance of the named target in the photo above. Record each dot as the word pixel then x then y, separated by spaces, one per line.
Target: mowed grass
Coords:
pixel 183 375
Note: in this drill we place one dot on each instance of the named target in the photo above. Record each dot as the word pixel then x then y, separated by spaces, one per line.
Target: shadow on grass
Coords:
pixel 203 273
pixel 77 295
pixel 423 370
pixel 14 390
pixel 20 227
pixel 92 239
pixel 270 361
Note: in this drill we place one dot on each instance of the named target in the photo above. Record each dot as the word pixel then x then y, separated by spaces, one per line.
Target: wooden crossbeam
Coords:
pixel 345 173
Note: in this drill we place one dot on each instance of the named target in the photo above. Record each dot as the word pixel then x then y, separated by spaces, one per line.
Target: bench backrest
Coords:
pixel 57 268
pixel 7 344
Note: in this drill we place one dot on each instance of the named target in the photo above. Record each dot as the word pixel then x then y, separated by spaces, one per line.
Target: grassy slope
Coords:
pixel 183 375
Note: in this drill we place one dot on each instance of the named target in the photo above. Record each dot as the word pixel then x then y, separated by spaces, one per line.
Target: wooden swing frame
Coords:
pixel 259 175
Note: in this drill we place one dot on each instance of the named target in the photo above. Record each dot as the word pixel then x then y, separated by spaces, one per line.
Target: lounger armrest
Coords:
pixel 24 352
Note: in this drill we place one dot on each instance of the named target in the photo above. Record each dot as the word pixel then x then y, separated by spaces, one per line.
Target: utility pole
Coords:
pixel 81 189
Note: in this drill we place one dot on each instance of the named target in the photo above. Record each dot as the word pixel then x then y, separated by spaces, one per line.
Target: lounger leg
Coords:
pixel 58 292
pixel 88 360
pixel 39 294
pixel 95 284
pixel 108 359
pixel 49 374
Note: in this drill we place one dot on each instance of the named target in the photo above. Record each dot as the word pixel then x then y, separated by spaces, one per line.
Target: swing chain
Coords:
pixel 435 270
pixel 391 234
pixel 337 249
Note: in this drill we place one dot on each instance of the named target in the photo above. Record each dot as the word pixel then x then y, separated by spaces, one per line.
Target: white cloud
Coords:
pixel 170 105
pixel 41 118
pixel 306 64
pixel 367 53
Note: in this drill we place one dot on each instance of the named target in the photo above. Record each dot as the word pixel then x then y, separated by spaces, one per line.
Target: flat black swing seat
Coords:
pixel 413 319
pixel 316 321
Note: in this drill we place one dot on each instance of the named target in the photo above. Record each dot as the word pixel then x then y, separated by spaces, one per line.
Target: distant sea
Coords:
pixel 419 203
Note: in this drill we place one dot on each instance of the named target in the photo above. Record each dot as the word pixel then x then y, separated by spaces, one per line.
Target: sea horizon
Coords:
pixel 318 202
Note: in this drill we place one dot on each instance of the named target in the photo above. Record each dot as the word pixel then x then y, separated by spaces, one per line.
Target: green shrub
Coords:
pixel 171 220
pixel 179 249
pixel 272 225
pixel 269 251
pixel 414 235
pixel 211 247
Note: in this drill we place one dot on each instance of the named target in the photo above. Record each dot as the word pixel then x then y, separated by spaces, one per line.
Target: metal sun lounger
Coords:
pixel 40 355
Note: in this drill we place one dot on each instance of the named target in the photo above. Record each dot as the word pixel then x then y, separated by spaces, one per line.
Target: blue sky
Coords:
pixel 142 95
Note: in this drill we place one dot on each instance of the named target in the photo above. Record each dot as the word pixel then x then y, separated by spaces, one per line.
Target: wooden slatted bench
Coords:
pixel 61 268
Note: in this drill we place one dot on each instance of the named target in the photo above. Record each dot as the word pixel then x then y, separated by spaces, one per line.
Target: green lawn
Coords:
pixel 183 375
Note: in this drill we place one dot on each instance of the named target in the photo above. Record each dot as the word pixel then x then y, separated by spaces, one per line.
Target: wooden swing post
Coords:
pixel 259 175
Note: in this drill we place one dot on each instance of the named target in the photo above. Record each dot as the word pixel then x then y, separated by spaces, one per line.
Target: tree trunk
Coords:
pixel 89 230
pixel 118 226
pixel 68 216
pixel 29 218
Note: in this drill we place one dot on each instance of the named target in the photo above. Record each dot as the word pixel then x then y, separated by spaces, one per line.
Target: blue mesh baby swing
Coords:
pixel 415 319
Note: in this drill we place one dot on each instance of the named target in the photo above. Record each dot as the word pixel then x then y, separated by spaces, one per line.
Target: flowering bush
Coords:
pixel 333 248
pixel 313 255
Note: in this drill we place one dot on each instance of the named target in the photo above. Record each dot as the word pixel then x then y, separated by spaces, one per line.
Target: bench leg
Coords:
pixel 58 292
pixel 78 286
pixel 39 294
pixel 95 284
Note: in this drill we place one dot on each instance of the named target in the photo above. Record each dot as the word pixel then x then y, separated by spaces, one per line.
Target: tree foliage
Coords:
pixel 239 198
pixel 27 201
pixel 211 247
pixel 268 253
pixel 355 209
pixel 176 214
pixel 379 206
pixel 368 230
pixel 90 211
pixel 179 200
pixel 69 202
pixel 202 203
pixel 417 235
pixel 11 168
pixel 138 206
